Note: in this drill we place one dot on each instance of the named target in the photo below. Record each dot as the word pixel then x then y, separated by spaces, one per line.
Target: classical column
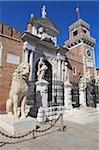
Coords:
pixel 31 66
pixel 59 69
pixel 63 70
pixel 66 71
pixel 26 55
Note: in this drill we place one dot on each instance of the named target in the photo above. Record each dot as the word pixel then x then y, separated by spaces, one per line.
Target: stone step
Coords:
pixel 82 116
pixel 81 120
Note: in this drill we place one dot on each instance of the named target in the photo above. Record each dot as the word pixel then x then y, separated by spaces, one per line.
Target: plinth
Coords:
pixel 17 126
pixel 67 95
pixel 42 92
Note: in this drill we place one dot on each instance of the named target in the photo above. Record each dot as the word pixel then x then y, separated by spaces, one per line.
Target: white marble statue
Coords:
pixel 44 12
pixel 82 83
pixel 40 31
pixel 41 69
pixel 15 105
pixel 67 76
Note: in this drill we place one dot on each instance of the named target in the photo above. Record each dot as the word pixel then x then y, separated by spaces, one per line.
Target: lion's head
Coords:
pixel 22 72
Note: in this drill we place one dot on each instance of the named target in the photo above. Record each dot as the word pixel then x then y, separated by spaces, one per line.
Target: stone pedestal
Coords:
pixel 42 92
pixel 97 107
pixel 67 95
pixel 82 97
pixel 18 126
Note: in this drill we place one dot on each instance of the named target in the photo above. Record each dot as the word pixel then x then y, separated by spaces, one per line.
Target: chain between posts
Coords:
pixel 32 131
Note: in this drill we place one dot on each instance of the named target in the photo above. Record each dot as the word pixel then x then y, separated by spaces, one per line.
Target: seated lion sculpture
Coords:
pixel 15 105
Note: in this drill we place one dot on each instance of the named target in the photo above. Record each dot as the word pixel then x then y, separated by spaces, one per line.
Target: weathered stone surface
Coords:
pixel 18 92
pixel 17 126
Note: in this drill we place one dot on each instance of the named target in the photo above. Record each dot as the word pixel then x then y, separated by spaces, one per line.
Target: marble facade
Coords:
pixel 56 60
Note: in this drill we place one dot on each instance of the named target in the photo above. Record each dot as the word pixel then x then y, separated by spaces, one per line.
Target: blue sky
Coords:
pixel 61 13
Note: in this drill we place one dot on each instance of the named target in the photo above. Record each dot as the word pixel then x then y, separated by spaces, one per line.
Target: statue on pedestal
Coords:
pixel 44 12
pixel 15 105
pixel 41 69
pixel 82 83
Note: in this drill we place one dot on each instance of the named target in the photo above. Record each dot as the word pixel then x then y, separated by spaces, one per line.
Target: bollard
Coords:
pixel 62 126
pixel 43 117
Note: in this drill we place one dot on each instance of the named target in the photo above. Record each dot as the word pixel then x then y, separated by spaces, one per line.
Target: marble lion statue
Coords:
pixel 15 105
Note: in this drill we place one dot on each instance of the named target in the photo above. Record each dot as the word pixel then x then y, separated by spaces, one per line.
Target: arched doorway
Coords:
pixel 48 77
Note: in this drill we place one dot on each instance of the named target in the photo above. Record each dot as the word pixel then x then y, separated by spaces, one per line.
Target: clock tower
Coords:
pixel 81 50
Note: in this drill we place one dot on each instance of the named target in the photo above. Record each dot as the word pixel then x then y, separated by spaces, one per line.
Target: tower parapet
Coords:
pixel 79 32
pixel 81 49
pixel 9 31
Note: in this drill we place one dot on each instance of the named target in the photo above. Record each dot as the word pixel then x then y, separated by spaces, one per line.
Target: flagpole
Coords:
pixel 78 12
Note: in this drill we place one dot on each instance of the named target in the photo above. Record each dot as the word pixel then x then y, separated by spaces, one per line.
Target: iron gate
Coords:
pixel 56 97
pixel 57 94
pixel 92 94
pixel 97 93
pixel 75 95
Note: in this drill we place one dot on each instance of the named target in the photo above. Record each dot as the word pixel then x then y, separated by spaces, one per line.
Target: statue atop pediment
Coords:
pixel 44 11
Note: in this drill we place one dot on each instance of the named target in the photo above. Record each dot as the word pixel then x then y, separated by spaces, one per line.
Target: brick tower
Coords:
pixel 81 51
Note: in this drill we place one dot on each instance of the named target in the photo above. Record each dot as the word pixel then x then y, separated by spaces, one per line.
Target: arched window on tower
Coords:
pixel 75 32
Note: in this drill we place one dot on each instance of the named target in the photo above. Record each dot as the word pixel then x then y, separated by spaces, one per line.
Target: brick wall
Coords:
pixel 79 70
pixel 75 59
pixel 9 31
pixel 13 47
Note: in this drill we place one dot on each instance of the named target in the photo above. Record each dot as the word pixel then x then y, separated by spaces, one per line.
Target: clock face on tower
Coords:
pixel 88 53
pixel 89 60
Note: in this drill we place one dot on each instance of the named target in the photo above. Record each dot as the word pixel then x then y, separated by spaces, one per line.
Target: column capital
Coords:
pixel 28 46
pixel 26 56
pixel 60 56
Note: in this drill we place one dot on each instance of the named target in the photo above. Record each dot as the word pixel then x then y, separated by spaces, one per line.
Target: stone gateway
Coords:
pixel 60 66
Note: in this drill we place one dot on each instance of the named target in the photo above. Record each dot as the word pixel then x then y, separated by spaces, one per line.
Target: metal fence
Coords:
pixel 92 93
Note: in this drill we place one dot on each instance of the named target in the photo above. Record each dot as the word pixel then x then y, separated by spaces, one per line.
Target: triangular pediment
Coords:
pixel 45 22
